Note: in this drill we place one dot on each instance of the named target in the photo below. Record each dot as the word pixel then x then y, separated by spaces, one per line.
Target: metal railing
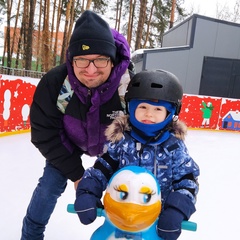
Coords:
pixel 20 72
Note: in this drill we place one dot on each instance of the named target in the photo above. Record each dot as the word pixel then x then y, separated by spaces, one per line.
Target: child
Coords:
pixel 151 137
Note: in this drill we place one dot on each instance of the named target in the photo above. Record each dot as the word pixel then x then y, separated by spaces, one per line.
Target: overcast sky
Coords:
pixel 209 7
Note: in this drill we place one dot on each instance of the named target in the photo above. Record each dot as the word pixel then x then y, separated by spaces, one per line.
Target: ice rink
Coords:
pixel 218 208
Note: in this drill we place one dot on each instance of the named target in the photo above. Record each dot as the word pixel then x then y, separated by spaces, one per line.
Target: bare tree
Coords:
pixel 53 36
pixel 141 21
pixel 88 4
pixel 130 21
pixel 236 11
pixel 29 34
pixel 38 38
pixel 15 29
pixel 118 14
pixel 45 38
pixel 148 26
pixel 224 12
pixel 72 17
pixel 7 39
pixel 59 11
pixel 172 13
pixel 66 29
pixel 19 46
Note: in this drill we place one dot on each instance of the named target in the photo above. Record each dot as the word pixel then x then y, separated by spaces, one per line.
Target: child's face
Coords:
pixel 150 114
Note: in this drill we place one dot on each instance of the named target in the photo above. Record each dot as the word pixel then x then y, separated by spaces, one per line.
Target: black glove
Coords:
pixel 178 207
pixel 88 195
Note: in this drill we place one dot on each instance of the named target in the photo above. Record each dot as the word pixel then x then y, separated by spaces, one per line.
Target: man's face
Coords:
pixel 92 74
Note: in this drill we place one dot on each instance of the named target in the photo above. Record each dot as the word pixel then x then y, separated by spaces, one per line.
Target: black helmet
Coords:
pixel 156 84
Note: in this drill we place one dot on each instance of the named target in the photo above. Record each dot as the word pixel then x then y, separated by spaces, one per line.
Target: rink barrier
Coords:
pixel 198 112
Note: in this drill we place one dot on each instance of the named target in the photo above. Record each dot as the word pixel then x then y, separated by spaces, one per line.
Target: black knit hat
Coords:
pixel 91 35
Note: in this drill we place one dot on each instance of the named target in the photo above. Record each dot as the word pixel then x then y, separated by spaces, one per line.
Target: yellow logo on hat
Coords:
pixel 85 47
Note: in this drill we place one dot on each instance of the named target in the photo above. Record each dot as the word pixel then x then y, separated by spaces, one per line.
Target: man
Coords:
pixel 72 106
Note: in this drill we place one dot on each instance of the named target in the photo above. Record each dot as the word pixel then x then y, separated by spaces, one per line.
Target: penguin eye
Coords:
pixel 122 192
pixel 147 198
pixel 123 195
pixel 146 194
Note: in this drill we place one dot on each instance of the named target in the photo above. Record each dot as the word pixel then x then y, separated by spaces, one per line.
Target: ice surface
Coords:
pixel 216 152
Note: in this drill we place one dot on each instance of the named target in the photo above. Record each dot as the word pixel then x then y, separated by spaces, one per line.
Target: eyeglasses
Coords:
pixel 98 62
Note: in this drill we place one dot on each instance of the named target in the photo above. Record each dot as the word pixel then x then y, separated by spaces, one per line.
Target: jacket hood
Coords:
pixel 115 131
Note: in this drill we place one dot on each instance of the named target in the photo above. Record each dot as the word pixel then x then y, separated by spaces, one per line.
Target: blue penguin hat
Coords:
pixel 150 130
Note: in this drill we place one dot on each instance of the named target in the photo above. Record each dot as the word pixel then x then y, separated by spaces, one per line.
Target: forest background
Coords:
pixel 33 26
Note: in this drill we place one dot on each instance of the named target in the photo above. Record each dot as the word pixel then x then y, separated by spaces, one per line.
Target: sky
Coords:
pixel 218 209
pixel 209 7
pixel 203 7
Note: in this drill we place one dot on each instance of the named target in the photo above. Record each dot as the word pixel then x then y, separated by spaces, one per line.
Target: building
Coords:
pixel 203 52
pixel 36 48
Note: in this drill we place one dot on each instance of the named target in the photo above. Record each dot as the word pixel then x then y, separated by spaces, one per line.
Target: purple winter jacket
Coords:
pixel 63 135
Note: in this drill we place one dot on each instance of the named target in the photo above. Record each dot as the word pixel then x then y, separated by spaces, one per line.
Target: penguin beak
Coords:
pixel 130 216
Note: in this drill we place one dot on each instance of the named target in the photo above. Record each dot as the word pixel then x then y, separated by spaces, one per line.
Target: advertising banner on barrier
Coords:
pixel 16 94
pixel 211 112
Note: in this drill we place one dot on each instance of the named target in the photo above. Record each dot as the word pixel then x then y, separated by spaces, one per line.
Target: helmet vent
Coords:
pixel 136 84
pixel 156 85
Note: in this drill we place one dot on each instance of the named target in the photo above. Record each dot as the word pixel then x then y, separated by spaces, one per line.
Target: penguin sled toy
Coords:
pixel 132 204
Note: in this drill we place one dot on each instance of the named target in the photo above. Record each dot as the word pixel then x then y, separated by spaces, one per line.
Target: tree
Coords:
pixel 130 20
pixel 3 11
pixel 148 26
pixel 172 13
pixel 88 4
pixel 15 33
pixel 141 20
pixel 46 53
pixel 118 14
pixel 7 46
pixel 38 37
pixel 70 4
pixel 28 44
pixel 224 12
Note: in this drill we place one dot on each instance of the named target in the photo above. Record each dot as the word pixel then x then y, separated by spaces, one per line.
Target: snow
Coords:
pixel 216 152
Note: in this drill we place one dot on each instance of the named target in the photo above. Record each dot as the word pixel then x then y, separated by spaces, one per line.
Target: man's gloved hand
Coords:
pixel 178 207
pixel 88 195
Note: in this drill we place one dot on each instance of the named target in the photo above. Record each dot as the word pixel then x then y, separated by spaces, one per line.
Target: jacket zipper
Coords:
pixel 89 98
pixel 155 161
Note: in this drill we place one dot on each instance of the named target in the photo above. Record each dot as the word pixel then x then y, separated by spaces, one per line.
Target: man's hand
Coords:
pixel 88 199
